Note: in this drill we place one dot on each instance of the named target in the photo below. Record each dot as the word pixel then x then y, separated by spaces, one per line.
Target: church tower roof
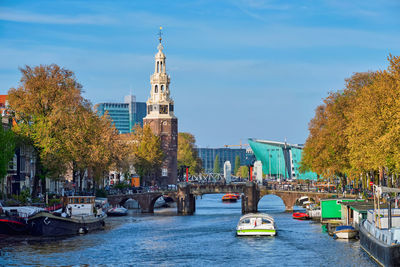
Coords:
pixel 160 104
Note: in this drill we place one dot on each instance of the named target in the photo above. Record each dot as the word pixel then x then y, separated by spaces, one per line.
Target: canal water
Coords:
pixel 205 239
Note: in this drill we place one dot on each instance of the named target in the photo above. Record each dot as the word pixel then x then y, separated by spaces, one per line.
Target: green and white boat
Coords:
pixel 256 224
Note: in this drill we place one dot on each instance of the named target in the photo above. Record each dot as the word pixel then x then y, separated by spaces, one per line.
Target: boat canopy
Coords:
pixel 379 190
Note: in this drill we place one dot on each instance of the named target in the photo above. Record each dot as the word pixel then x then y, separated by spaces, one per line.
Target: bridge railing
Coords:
pixel 141 189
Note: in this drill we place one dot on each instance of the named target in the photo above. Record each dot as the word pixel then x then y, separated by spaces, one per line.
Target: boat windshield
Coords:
pixel 245 221
pixel 265 221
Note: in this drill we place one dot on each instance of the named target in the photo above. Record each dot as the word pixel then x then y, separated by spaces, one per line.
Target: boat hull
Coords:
pixel 382 253
pixel 115 213
pixel 12 226
pixel 346 234
pixel 256 232
pixel 301 216
pixel 46 224
pixel 229 200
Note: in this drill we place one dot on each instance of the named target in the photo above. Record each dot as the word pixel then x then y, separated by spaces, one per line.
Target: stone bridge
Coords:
pixel 185 196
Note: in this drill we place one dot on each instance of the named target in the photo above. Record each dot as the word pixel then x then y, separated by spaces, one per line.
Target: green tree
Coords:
pixel 148 155
pixel 243 171
pixel 187 154
pixel 217 167
pixel 237 164
pixel 7 147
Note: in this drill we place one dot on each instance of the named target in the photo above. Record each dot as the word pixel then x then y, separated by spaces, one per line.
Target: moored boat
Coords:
pixel 229 198
pixel 314 212
pixel 345 232
pixel 77 217
pixel 117 211
pixel 300 216
pixel 256 224
pixel 380 232
pixel 14 220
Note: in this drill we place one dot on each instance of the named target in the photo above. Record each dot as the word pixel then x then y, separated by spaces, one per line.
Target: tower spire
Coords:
pixel 160 35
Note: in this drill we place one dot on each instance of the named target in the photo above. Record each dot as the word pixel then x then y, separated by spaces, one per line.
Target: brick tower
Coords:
pixel 160 116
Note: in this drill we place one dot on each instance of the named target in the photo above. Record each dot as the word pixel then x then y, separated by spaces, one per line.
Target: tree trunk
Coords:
pixel 36 178
pixel 81 175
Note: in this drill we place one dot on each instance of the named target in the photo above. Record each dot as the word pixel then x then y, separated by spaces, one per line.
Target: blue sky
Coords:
pixel 239 69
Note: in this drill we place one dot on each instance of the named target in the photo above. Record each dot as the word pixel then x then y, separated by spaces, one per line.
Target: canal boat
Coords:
pixel 300 216
pixel 345 232
pixel 14 220
pixel 78 216
pixel 314 212
pixel 256 224
pixel 380 232
pixel 117 211
pixel 229 198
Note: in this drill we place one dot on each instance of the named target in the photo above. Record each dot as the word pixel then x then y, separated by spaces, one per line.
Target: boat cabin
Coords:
pixel 79 205
pixel 354 212
pixel 331 208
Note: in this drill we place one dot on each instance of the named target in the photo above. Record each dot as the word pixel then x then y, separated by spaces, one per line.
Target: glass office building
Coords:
pixel 124 115
pixel 280 160
pixel 207 156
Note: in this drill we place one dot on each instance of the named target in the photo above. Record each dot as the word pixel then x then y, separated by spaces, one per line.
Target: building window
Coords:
pixel 164 172
pixel 162 88
pixel 156 88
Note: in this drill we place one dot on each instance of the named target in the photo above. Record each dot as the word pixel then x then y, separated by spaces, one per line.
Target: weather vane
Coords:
pixel 160 34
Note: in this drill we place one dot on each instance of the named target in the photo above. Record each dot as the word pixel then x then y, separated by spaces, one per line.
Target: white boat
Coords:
pixel 256 224
pixel 314 211
pixel 117 211
pixel 345 232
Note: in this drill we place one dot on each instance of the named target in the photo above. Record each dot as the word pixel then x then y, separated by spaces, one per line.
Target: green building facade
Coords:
pixel 280 160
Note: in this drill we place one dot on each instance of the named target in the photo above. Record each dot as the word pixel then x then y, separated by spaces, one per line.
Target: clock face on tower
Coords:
pixel 163 109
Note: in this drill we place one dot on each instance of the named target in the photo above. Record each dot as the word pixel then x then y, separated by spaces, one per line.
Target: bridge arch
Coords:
pixel 272 203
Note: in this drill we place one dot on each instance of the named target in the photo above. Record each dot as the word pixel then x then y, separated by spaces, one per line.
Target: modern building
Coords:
pixel 207 156
pixel 124 115
pixel 280 160
pixel 160 116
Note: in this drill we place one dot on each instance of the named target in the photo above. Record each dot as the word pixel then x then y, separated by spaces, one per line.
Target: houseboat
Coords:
pixel 256 224
pixel 380 232
pixel 14 220
pixel 78 216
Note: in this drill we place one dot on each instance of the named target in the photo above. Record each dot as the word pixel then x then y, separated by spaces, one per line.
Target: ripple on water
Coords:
pixel 206 239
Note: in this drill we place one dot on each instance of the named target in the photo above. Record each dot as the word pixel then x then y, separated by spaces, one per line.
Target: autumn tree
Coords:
pixel 374 128
pixel 91 142
pixel 187 154
pixel 148 155
pixel 354 133
pixel 45 93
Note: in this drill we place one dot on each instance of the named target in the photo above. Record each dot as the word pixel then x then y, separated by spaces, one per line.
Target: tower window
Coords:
pixel 161 69
pixel 162 88
pixel 156 88
pixel 158 66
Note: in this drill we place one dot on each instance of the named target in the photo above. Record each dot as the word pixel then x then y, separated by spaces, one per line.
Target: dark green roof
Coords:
pixel 363 206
